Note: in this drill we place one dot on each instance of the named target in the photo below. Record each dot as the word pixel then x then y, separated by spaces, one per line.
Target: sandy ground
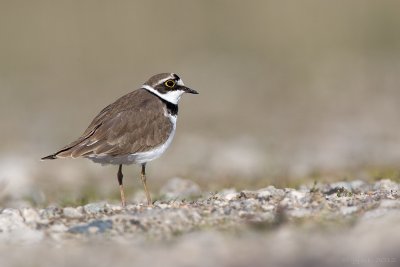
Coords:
pixel 341 224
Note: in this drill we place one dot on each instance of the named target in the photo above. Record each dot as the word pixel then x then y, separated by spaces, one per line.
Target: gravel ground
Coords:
pixel 340 224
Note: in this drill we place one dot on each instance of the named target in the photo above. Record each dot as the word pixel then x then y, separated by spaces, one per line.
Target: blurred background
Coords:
pixel 289 90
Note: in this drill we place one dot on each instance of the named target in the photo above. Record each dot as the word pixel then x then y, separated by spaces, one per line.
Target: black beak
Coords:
pixel 188 90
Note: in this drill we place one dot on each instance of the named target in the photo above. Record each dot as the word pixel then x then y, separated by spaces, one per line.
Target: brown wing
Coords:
pixel 134 123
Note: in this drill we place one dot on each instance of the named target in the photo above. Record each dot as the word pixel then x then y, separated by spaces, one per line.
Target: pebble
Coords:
pixel 14 228
pixel 231 196
pixel 10 220
pixel 272 191
pixel 96 226
pixel 248 194
pixel 93 208
pixel 30 215
pixel 50 213
pixel 387 185
pixel 264 194
pixel 345 185
pixel 161 205
pixel 228 194
pixel 296 195
pixel 359 186
pixel 72 213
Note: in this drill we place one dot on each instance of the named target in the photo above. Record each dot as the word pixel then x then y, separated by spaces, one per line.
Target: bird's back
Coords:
pixel 134 123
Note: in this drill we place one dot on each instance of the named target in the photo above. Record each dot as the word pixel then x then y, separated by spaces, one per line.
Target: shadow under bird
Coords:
pixel 136 128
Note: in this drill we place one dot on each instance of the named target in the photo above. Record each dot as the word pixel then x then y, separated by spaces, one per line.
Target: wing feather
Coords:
pixel 134 123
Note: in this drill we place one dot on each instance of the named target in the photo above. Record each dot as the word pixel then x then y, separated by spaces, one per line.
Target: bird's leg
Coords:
pixel 121 187
pixel 143 177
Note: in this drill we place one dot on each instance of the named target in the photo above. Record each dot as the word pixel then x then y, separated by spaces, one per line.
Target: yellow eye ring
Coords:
pixel 170 83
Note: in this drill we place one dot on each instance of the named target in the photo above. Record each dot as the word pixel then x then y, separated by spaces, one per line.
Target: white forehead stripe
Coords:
pixel 170 96
pixel 180 82
pixel 165 79
pixel 171 77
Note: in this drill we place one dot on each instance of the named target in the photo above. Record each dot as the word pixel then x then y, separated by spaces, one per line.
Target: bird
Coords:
pixel 135 129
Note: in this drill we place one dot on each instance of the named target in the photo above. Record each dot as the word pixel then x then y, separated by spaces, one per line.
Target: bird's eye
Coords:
pixel 170 83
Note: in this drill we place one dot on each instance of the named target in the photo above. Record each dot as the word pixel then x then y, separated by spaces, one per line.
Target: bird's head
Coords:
pixel 168 86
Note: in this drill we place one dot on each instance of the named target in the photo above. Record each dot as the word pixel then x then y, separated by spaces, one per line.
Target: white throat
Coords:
pixel 171 96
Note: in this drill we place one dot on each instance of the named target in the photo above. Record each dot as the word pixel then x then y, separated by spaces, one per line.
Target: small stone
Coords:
pixel 14 230
pixel 162 205
pixel 80 209
pixel 10 220
pixel 250 203
pixel 50 213
pixel 114 207
pixel 359 186
pixel 97 226
pixel 231 196
pixel 274 192
pixel 178 188
pixel 30 215
pixel 72 213
pixel 387 185
pixel 293 198
pixel 227 210
pixel 228 194
pixel 93 208
pixel 344 185
pixel 263 194
pixel 296 194
pixel 248 194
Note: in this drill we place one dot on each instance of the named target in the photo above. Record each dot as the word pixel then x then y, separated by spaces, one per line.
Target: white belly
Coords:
pixel 138 158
